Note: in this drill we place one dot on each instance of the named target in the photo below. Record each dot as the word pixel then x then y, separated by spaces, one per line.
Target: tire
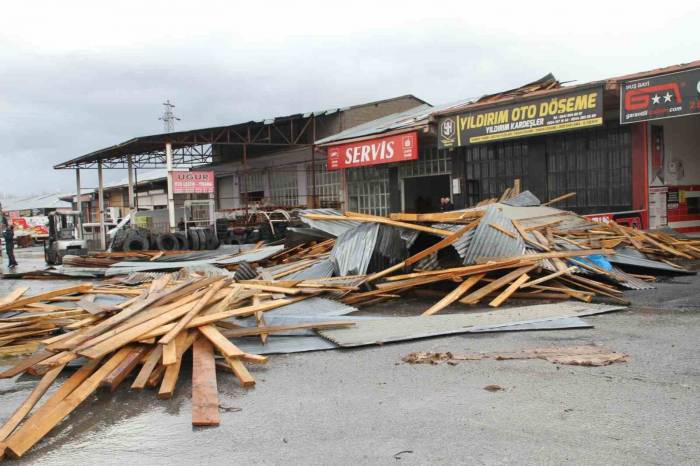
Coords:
pixel 182 243
pixel 245 272
pixel 193 239
pixel 202 239
pixel 212 240
pixel 167 242
pixel 118 241
pixel 135 242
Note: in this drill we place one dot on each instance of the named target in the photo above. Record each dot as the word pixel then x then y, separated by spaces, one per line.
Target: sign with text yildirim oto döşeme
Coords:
pixel 579 108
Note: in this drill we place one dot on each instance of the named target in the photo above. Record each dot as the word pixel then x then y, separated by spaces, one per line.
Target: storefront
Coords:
pixel 556 140
pixel 397 172
pixel 664 108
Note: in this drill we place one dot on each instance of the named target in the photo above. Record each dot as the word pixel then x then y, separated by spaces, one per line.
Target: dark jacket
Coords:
pixel 9 236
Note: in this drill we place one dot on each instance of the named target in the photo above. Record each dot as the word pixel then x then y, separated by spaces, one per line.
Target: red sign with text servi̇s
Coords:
pixel 389 149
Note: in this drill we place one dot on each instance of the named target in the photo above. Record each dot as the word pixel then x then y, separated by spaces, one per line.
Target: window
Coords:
pixel 368 190
pixel 327 185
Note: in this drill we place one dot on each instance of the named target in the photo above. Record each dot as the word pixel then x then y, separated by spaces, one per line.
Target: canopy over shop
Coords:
pixel 211 147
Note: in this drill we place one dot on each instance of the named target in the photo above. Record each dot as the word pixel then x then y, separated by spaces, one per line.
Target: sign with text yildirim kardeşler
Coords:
pixel 578 108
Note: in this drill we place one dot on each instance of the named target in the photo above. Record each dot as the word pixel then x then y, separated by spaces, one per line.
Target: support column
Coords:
pixel 171 195
pixel 78 204
pixel 101 205
pixel 130 165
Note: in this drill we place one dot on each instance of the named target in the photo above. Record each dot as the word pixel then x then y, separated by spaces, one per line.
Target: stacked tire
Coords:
pixel 141 239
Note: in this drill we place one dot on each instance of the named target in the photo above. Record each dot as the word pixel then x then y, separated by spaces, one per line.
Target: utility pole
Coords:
pixel 169 119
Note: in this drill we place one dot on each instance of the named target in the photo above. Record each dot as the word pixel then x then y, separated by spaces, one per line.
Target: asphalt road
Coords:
pixel 365 406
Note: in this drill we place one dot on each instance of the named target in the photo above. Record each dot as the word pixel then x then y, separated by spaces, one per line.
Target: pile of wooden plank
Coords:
pixel 146 338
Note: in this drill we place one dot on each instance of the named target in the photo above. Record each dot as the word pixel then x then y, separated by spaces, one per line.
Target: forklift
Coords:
pixel 65 238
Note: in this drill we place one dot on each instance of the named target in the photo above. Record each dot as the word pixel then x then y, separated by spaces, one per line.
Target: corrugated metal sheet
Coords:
pixel 379 331
pixel 322 269
pixel 524 199
pixel 332 227
pixel 252 256
pixel 367 248
pixel 488 242
pixel 630 282
pixel 634 258
pixel 462 244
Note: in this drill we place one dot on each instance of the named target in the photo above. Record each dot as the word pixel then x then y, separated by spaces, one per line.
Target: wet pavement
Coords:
pixel 366 406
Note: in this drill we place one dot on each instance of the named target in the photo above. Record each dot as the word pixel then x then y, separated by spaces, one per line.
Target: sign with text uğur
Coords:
pixel 194 182
pixel 665 96
pixel 580 108
pixel 389 149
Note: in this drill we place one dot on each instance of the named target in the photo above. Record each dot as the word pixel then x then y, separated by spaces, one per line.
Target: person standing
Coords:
pixel 9 236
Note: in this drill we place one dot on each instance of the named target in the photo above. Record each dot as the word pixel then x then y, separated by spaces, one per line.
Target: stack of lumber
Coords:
pixel 146 339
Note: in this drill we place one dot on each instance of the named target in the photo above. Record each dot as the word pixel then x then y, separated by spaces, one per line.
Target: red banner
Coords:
pixel 390 149
pixel 193 182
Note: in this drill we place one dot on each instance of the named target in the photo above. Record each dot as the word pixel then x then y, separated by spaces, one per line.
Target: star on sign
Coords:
pixel 667 97
pixel 656 99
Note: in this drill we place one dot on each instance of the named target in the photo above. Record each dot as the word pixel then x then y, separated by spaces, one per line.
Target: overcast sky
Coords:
pixel 81 75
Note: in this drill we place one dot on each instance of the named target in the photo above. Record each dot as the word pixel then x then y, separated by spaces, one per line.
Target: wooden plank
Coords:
pixel 240 371
pixel 475 296
pixel 512 288
pixel 201 304
pixel 503 230
pixel 167 387
pixel 454 295
pixel 148 365
pixel 118 375
pixel 551 255
pixel 383 220
pixel 133 334
pixel 25 364
pixel 44 296
pixel 212 318
pixel 29 403
pixel 559 199
pixel 169 353
pixel 222 343
pixel 13 295
pixel 41 423
pixel 205 396
pixel 251 331
pixel 547 277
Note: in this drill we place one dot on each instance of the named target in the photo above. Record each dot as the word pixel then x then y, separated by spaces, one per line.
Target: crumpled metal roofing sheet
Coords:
pixel 380 331
pixel 332 227
pixel 524 199
pixel 634 258
pixel 488 242
pixel 353 249
pixel 252 256
pixel 367 248
pixel 322 269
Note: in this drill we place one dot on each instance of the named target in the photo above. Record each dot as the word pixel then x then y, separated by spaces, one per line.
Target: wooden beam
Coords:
pixel 148 365
pixel 41 423
pixel 201 304
pixel 558 199
pixel 474 297
pixel 118 375
pixel 224 346
pixel 205 396
pixel 455 294
pixel 44 296
pixel 383 220
pixel 29 403
pixel 512 288
pixel 240 371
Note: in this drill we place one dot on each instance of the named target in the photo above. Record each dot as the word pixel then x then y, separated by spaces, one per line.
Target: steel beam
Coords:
pixel 101 205
pixel 171 195
pixel 78 204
